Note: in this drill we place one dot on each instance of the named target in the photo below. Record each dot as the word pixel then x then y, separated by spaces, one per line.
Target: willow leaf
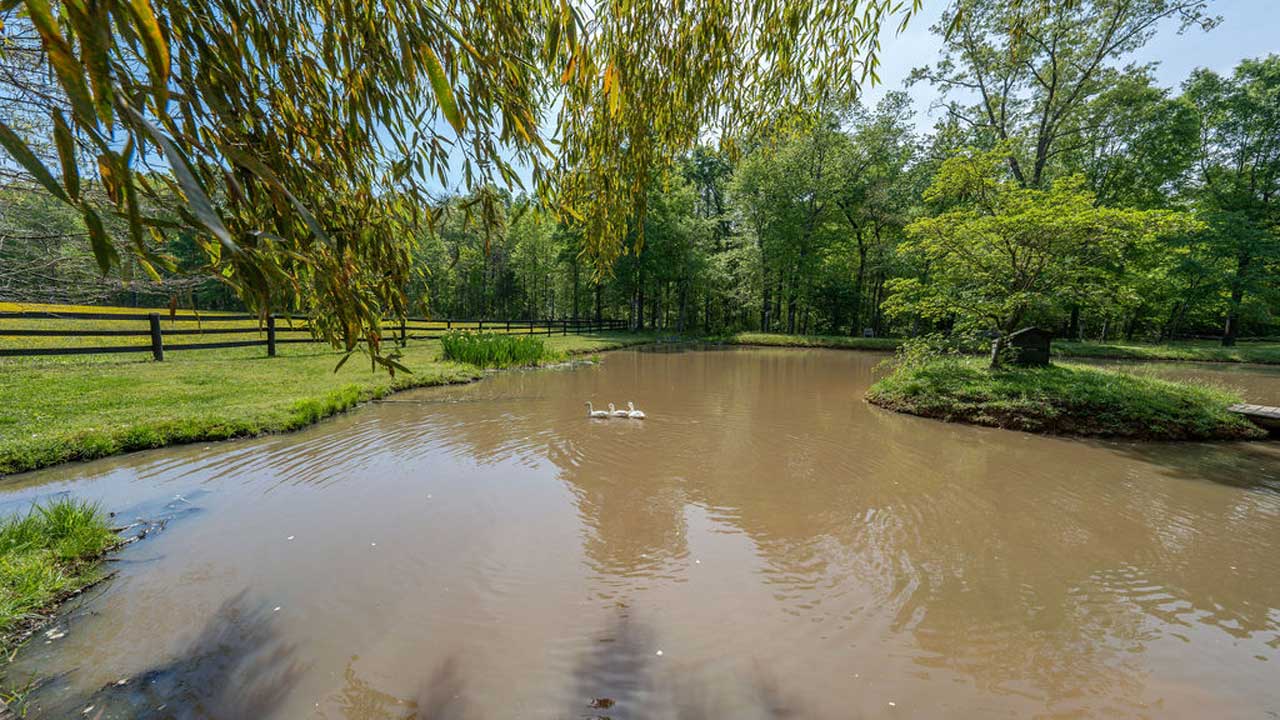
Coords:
pixel 64 62
pixel 197 200
pixel 66 154
pixel 22 154
pixel 444 93
pixel 103 250
pixel 153 42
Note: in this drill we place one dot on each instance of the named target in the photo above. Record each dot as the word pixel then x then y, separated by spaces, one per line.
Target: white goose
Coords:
pixel 593 413
pixel 632 412
pixel 618 413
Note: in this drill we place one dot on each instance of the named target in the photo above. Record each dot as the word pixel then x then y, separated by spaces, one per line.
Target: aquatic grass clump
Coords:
pixel 46 553
pixel 1061 399
pixel 494 350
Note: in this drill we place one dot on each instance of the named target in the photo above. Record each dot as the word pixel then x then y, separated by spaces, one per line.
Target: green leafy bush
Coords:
pixel 494 349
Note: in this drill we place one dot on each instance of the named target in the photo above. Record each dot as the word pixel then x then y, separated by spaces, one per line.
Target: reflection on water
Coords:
pixel 765 545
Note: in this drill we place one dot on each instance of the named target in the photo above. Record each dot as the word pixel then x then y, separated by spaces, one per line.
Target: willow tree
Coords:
pixel 299 136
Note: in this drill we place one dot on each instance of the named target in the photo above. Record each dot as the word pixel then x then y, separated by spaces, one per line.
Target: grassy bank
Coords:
pixel 57 410
pixel 1266 353
pixel 45 556
pixel 1062 399
pixel 841 342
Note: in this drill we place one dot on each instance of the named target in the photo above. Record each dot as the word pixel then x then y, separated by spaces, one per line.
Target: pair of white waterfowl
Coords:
pixel 630 412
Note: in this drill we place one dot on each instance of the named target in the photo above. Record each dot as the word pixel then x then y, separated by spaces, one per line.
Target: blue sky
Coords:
pixel 1249 28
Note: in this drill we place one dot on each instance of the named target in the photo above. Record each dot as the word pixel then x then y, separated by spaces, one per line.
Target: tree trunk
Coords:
pixel 856 329
pixel 1001 341
pixel 877 317
pixel 791 305
pixel 640 304
pixel 1131 327
pixel 1073 325
pixel 683 296
pixel 575 288
pixel 765 306
pixel 1231 328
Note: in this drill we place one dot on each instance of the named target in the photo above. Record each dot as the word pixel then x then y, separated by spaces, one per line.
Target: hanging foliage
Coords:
pixel 296 138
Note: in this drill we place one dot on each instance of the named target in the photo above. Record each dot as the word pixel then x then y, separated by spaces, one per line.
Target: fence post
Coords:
pixel 480 327
pixel 566 327
pixel 404 333
pixel 508 327
pixel 448 324
pixel 271 335
pixel 157 340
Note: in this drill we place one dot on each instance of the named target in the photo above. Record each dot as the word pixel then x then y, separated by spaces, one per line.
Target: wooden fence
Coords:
pixel 272 333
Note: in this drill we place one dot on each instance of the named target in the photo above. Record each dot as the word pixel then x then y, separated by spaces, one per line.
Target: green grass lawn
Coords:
pixel 1062 399
pixel 58 409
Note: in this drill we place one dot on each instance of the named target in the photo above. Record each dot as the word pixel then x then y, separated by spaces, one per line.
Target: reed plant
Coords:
pixel 495 350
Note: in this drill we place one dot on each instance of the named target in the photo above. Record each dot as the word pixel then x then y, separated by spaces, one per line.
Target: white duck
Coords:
pixel 632 412
pixel 593 413
pixel 618 413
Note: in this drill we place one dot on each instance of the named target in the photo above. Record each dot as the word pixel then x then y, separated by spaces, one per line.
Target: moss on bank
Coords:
pixel 46 555
pixel 1062 399
pixel 60 411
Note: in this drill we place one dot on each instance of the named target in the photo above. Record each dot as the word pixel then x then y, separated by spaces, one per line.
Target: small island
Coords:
pixel 1061 399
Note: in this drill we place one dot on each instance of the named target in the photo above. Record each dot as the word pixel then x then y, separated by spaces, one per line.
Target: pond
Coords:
pixel 765 544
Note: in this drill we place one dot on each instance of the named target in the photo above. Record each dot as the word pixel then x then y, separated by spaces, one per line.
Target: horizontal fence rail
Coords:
pixel 157 332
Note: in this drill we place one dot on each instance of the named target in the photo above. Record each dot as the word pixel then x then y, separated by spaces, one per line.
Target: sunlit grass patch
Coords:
pixel 47 552
pixel 494 350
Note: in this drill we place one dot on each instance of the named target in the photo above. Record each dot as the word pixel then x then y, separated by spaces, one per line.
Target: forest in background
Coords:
pixel 1062 187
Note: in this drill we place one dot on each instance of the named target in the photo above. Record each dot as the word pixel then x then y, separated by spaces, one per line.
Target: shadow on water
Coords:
pixel 677 348
pixel 622 677
pixel 1244 465
pixel 236 667
pixel 440 697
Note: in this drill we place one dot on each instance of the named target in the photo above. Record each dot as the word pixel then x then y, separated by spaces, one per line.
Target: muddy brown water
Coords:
pixel 764 545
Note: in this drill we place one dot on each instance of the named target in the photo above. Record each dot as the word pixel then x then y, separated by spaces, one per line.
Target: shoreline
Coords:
pixel 300 413
pixel 1062 350
pixel 294 413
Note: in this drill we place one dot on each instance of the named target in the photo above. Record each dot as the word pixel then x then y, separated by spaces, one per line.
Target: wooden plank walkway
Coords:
pixel 1264 416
